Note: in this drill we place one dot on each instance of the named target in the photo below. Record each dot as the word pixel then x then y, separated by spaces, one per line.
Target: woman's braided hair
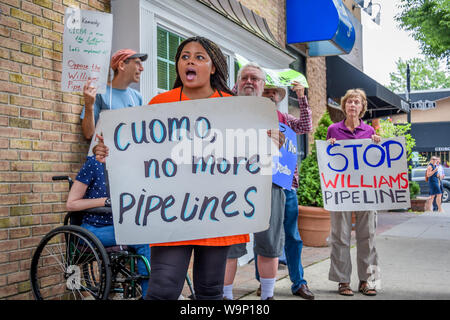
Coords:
pixel 218 80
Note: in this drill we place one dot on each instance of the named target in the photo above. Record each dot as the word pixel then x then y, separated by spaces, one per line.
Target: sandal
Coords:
pixel 345 290
pixel 366 290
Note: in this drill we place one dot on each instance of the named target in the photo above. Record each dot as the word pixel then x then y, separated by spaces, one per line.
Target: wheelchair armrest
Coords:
pixel 77 216
pixel 69 179
pixel 98 210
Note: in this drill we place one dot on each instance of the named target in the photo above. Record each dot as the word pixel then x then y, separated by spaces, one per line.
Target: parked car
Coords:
pixel 418 175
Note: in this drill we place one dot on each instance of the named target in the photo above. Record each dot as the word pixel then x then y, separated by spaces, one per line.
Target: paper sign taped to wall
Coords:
pixel 86 49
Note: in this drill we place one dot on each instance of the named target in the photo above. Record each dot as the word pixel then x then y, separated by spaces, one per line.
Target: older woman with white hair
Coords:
pixel 354 106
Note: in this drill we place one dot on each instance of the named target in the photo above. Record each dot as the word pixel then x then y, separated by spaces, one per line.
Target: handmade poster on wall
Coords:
pixel 86 49
pixel 359 175
pixel 190 169
pixel 284 164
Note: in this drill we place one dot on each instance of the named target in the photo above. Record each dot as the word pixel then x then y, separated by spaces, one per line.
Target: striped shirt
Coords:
pixel 300 125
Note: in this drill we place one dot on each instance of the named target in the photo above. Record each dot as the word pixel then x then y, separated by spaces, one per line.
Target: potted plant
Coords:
pixel 418 204
pixel 313 220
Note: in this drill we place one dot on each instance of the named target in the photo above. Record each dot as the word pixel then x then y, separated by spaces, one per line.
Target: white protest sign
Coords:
pixel 86 50
pixel 191 169
pixel 359 175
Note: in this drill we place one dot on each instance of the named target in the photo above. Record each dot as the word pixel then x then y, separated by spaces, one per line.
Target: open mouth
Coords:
pixel 190 74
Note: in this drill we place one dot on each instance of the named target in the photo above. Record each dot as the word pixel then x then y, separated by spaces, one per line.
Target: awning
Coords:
pixel 436 141
pixel 234 11
pixel 342 76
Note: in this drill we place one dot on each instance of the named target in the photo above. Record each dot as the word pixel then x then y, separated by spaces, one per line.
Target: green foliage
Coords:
pixel 388 130
pixel 309 192
pixel 414 189
pixel 424 74
pixel 429 23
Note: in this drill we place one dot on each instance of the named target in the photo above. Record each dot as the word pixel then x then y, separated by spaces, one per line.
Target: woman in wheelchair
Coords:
pixel 89 190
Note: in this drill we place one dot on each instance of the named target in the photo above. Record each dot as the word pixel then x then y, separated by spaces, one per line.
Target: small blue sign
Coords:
pixel 324 24
pixel 284 165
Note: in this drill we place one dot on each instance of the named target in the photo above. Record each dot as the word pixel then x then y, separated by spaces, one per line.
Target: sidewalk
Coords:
pixel 414 258
pixel 414 261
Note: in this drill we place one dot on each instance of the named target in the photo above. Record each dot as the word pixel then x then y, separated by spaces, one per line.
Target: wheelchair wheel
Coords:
pixel 126 278
pixel 70 263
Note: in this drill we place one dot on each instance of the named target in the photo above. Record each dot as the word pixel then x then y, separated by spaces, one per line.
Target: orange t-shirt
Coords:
pixel 175 95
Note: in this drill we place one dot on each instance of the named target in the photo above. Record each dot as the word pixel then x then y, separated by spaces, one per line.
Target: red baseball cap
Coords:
pixel 123 54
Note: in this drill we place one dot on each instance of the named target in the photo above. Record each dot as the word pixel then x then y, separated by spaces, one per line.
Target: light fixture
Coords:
pixel 377 18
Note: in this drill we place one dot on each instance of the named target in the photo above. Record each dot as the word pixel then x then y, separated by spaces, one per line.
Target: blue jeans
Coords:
pixel 106 236
pixel 293 243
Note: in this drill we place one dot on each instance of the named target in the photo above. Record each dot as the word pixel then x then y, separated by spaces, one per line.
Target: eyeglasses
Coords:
pixel 251 78
pixel 137 61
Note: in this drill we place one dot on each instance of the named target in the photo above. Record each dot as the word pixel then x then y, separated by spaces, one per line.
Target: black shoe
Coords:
pixel 304 292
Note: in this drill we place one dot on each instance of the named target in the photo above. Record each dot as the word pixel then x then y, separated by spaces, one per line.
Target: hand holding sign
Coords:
pixel 298 88
pixel 100 150
pixel 277 137
pixel 89 93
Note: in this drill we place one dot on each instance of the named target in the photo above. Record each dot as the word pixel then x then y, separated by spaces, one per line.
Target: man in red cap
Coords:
pixel 127 67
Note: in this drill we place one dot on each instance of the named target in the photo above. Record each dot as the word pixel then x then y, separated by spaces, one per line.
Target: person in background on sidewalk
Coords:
pixel 127 67
pixel 435 185
pixel 441 177
pixel 293 243
pixel 268 245
pixel 354 106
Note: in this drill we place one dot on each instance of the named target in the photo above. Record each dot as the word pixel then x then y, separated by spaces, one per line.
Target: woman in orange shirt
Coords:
pixel 202 72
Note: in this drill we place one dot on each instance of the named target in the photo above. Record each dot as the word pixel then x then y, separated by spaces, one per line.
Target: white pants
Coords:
pixel 367 257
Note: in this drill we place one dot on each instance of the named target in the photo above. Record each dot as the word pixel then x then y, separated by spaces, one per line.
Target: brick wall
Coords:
pixel 40 133
pixel 274 12
pixel 316 74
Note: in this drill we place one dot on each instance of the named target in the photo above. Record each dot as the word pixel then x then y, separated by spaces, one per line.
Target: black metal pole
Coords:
pixel 408 90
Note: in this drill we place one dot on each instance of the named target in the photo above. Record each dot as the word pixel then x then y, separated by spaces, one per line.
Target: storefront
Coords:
pixel 342 76
pixel 430 124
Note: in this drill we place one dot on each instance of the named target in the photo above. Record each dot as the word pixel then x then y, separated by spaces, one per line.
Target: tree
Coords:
pixel 424 74
pixel 429 22
pixel 388 129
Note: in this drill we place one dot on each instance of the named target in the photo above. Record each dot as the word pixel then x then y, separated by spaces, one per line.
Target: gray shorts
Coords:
pixel 237 250
pixel 270 243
